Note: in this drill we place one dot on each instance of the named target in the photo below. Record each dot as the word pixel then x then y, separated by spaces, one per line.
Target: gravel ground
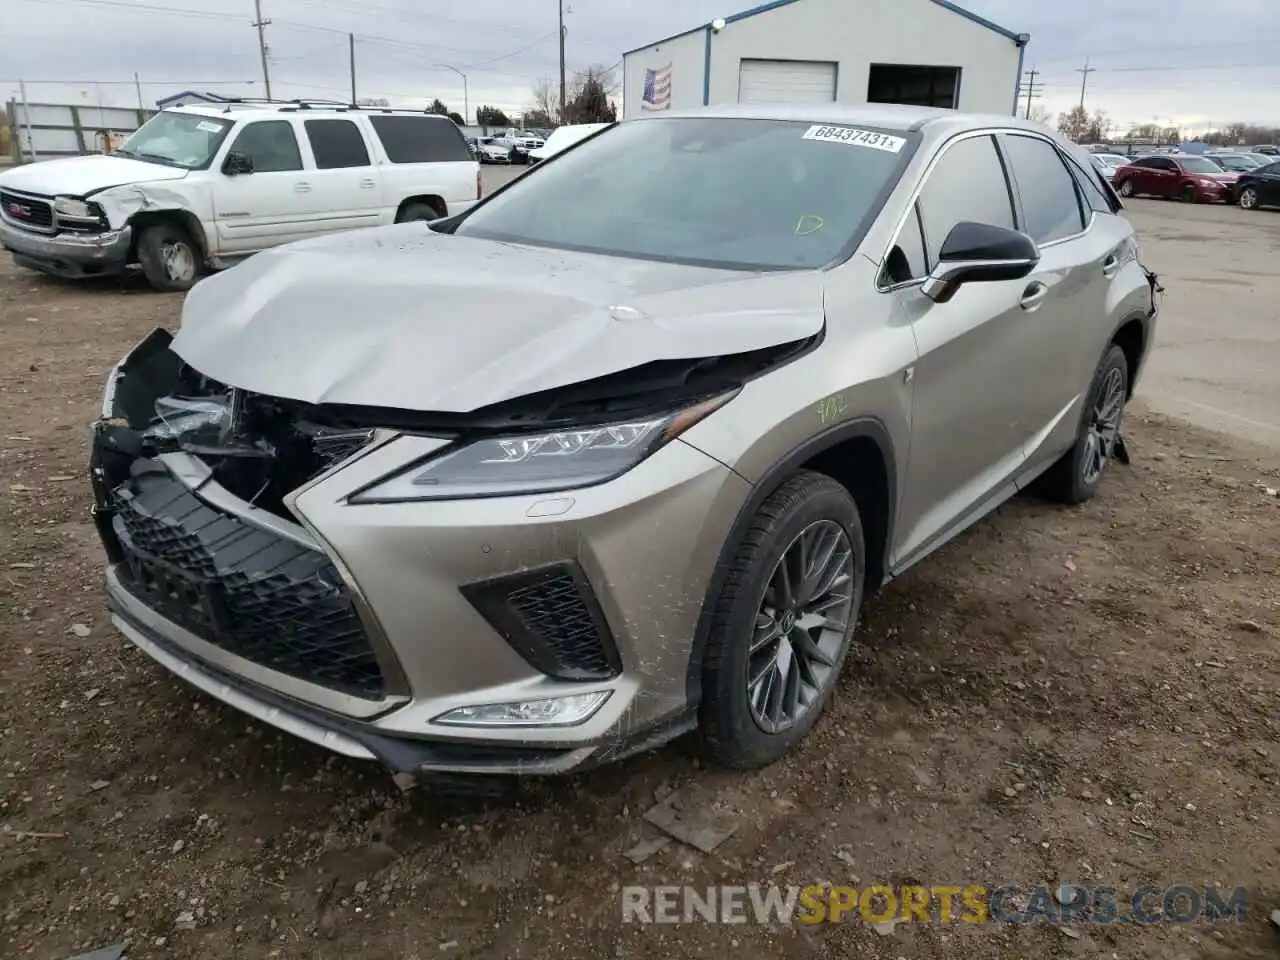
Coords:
pixel 1082 694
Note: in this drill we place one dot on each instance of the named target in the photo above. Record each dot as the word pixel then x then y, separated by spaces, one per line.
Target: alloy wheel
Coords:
pixel 801 625
pixel 1249 198
pixel 179 261
pixel 1103 430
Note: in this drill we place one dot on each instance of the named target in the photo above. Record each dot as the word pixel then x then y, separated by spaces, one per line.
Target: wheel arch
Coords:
pixel 433 200
pixel 859 455
pixel 185 218
pixel 1132 335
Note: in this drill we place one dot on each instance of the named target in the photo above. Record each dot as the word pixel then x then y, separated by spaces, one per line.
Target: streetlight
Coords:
pixel 466 101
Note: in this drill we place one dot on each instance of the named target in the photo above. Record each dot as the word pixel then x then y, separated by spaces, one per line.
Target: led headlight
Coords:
pixel 75 209
pixel 537 462
pixel 565 711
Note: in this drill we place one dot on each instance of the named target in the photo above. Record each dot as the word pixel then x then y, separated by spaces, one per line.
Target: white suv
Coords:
pixel 200 186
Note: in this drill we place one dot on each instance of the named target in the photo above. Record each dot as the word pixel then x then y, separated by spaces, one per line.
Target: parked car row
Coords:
pixel 1198 178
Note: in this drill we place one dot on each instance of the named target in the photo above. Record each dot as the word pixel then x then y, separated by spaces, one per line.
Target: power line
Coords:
pixel 1032 88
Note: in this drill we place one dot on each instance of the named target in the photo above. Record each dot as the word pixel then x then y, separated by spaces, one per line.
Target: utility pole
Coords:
pixel 563 90
pixel 262 45
pixel 351 45
pixel 1084 79
pixel 1033 88
pixel 137 84
pixel 466 99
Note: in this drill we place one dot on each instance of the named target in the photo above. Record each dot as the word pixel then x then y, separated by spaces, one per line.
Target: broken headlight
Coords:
pixel 177 417
pixel 537 462
pixel 76 209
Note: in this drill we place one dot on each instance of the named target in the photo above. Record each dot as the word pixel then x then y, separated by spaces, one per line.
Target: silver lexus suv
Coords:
pixel 618 453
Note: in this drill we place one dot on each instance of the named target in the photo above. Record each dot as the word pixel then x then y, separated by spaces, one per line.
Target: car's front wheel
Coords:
pixel 169 256
pixel 1188 194
pixel 1075 478
pixel 1249 198
pixel 1126 188
pixel 783 622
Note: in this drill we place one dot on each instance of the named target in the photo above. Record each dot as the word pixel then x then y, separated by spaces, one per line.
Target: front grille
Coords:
pixel 252 593
pixel 26 211
pixel 551 617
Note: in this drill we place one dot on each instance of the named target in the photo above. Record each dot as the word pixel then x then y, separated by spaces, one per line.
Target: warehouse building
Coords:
pixel 924 52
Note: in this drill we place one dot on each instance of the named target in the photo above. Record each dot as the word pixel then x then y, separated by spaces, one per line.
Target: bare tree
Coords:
pixel 546 98
pixel 1040 114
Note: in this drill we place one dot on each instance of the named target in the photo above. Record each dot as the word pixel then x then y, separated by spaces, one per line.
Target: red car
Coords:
pixel 1181 175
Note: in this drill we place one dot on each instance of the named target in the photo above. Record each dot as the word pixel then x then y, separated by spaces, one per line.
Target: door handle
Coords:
pixel 302 187
pixel 367 184
pixel 1110 266
pixel 1033 296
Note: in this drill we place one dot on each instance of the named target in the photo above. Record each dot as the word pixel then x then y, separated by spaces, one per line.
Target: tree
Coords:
pixel 1098 129
pixel 438 108
pixel 488 116
pixel 1039 114
pixel 545 101
pixel 590 101
pixel 1074 124
pixel 1146 131
pixel 457 118
pixel 538 118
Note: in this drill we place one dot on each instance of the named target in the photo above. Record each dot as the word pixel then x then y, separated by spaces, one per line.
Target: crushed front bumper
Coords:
pixel 67 254
pixel 357 627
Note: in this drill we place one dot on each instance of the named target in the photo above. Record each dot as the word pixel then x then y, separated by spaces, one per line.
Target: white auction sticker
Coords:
pixel 208 127
pixel 860 138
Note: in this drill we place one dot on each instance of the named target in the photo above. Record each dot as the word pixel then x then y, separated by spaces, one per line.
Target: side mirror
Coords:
pixel 978 253
pixel 237 163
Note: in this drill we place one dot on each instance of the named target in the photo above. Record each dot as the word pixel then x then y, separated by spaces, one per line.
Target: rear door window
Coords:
pixel 1050 203
pixel 409 139
pixel 336 143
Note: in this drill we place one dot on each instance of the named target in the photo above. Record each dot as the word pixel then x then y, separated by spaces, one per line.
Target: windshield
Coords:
pixel 185 140
pixel 734 193
pixel 1199 165
pixel 1236 163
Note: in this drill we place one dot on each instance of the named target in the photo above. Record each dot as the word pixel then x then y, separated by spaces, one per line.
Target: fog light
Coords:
pixel 550 712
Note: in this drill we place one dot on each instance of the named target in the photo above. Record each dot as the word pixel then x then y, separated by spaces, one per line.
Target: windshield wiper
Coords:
pixel 150 158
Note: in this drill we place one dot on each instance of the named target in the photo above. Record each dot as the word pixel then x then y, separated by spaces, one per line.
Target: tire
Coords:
pixel 1072 480
pixel 1188 195
pixel 1126 188
pixel 418 211
pixel 731 730
pixel 1249 198
pixel 169 256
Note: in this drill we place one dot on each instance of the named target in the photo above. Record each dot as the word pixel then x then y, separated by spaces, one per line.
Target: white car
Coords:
pixel 1109 163
pixel 488 150
pixel 200 186
pixel 562 138
pixel 518 143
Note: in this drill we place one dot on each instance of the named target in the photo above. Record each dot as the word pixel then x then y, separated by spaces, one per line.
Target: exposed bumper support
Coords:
pixel 72 255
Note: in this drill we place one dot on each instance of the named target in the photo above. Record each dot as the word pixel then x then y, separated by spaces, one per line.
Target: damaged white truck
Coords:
pixel 199 187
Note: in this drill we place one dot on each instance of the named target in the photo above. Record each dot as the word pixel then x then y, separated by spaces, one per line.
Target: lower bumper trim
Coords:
pixel 399 754
pixel 69 255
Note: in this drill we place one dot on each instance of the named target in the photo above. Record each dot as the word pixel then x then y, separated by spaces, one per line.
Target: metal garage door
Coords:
pixel 786 81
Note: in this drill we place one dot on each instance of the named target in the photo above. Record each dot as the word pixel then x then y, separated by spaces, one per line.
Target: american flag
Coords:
pixel 657 89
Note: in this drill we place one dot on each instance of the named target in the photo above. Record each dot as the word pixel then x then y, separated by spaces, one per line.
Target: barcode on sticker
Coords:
pixel 858 138
pixel 208 127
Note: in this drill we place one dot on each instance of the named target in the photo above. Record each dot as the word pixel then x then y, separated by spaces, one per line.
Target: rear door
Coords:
pixel 970 392
pixel 424 157
pixel 255 210
pixel 344 185
pixel 1267 180
pixel 1064 301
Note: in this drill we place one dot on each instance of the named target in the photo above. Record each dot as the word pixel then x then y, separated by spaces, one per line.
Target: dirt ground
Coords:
pixel 1085 695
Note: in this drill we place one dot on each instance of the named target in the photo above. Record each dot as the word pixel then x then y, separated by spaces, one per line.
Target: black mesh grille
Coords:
pixel 551 617
pixel 246 590
pixel 26 210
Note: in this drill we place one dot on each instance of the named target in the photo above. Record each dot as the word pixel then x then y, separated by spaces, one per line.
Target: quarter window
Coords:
pixel 967 183
pixel 1050 204
pixel 271 145
pixel 409 139
pixel 336 143
pixel 906 261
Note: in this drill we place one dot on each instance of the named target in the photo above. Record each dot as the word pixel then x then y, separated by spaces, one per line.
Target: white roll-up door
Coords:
pixel 786 81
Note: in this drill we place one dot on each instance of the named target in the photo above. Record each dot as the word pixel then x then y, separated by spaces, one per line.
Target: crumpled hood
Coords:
pixel 78 176
pixel 408 318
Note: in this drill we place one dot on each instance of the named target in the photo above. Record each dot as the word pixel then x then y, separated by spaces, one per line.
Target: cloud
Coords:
pixel 1190 65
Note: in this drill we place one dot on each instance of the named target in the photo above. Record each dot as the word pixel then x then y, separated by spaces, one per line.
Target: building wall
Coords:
pixel 685 54
pixel 854 34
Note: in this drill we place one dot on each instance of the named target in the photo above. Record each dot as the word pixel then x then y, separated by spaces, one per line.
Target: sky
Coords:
pixel 1176 62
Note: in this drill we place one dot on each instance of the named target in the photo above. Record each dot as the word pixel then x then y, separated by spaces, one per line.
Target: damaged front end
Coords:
pixel 190 479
